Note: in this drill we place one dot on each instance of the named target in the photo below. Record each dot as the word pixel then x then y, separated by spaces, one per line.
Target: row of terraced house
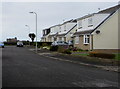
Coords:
pixel 96 31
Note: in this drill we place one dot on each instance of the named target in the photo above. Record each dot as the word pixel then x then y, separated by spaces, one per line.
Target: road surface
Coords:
pixel 24 68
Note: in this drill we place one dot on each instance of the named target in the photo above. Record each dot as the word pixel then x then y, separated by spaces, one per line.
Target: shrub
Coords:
pixel 67 51
pixel 86 50
pixel 101 55
pixel 80 50
pixel 61 49
pixel 53 48
pixel 75 49
pixel 44 44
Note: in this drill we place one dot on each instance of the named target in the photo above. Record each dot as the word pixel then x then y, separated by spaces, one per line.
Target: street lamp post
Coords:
pixel 36 28
pixel 29 32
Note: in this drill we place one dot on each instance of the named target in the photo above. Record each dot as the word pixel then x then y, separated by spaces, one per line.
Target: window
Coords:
pixel 76 40
pixel 86 39
pixel 90 22
pixel 80 24
pixel 60 38
pixel 59 27
pixel 45 32
pixel 64 27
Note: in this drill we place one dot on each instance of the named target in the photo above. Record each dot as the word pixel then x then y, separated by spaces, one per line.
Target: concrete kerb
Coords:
pixel 108 68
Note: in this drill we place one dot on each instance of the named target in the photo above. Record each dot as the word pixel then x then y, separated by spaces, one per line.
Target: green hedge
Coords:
pixel 102 55
pixel 53 48
pixel 10 43
pixel 41 43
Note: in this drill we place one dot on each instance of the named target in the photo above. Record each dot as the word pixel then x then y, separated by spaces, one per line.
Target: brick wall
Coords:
pixel 81 44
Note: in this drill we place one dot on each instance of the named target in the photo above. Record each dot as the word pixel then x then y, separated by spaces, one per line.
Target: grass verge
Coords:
pixel 117 56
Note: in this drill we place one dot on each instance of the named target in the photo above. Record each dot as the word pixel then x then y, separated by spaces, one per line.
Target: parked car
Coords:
pixel 2 44
pixel 19 44
pixel 70 43
pixel 59 43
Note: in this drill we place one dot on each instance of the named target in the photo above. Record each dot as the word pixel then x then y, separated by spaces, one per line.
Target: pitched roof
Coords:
pixel 61 34
pixel 68 31
pixel 70 21
pixel 110 10
pixel 103 21
pixel 53 34
pixel 86 16
pixel 90 31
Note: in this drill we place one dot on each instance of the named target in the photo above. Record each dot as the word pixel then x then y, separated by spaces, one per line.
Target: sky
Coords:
pixel 15 15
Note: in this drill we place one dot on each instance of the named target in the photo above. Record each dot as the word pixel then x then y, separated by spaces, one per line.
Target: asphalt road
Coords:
pixel 24 68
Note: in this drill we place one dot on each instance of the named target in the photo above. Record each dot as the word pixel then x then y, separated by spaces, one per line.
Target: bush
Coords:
pixel 53 48
pixel 75 49
pixel 44 44
pixel 61 49
pixel 101 55
pixel 80 50
pixel 67 51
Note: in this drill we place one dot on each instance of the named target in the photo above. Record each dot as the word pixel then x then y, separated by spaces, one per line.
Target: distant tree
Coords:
pixel 32 36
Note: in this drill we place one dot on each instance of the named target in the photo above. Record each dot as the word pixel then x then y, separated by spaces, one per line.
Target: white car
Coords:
pixel 70 43
pixel 19 44
pixel 2 44
pixel 59 43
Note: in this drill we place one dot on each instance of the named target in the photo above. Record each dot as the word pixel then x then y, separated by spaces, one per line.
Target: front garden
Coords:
pixel 79 52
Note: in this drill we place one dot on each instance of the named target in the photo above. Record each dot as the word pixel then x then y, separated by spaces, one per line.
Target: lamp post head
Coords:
pixel 31 12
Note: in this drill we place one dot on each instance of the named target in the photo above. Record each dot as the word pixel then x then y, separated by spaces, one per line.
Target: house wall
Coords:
pixel 45 39
pixel 49 39
pixel 70 34
pixel 81 44
pixel 108 36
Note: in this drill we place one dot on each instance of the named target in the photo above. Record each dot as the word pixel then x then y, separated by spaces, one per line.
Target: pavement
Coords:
pixel 86 61
pixel 24 68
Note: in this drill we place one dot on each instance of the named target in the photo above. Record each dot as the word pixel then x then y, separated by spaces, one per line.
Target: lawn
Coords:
pixel 81 54
pixel 117 56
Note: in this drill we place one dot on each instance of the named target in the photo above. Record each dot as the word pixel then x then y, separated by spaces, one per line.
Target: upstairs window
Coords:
pixel 80 24
pixel 64 27
pixel 45 32
pixel 90 22
pixel 86 39
pixel 59 27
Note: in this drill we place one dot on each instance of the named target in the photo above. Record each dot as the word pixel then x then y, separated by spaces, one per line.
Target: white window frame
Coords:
pixel 79 24
pixel 60 27
pixel 77 40
pixel 65 27
pixel 90 21
pixel 86 39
